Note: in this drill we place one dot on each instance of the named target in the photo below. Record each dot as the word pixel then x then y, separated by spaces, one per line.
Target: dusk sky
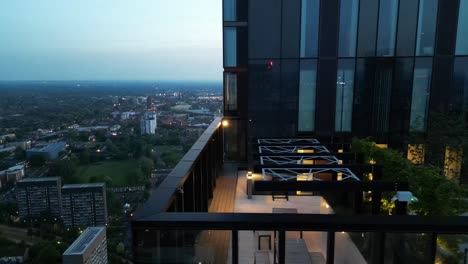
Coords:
pixel 110 40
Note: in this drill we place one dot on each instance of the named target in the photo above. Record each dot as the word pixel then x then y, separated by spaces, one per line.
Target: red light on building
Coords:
pixel 270 65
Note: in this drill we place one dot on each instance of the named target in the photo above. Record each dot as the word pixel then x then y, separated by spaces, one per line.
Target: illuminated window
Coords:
pixel 452 162
pixel 416 153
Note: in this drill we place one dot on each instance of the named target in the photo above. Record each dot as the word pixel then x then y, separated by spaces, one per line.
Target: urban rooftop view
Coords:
pixel 234 131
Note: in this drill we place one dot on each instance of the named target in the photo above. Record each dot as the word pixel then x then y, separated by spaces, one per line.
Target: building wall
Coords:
pixel 84 206
pixel 95 252
pixel 39 198
pixel 352 67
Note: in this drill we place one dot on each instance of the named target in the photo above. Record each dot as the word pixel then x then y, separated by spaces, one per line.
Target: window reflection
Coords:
pixel 348 28
pixel 230 86
pixel 229 10
pixel 307 90
pixel 344 95
pixel 420 97
pixel 426 27
pixel 230 47
pixel 388 14
pixel 462 31
pixel 309 28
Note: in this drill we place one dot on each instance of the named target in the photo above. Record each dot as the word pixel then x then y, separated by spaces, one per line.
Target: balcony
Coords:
pixel 202 213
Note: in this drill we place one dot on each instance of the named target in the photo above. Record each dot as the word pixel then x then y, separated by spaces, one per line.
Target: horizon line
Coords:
pixel 109 80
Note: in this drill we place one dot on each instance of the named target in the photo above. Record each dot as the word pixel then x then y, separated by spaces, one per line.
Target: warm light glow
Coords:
pixel 249 175
pixel 304 177
pixel 327 206
pixel 305 151
pixel 340 151
pixel 308 162
pixel 225 123
pixel 384 146
pixel 453 162
pixel 372 161
pixel 371 176
pixel 339 176
pixel 416 153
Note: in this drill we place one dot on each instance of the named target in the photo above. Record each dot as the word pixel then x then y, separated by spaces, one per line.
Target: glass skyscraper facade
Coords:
pixel 343 68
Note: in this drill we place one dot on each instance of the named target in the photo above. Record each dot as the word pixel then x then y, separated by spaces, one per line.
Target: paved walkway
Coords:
pixel 213 245
pixel 346 251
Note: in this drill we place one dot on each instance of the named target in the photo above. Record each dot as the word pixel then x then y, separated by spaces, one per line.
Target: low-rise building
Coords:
pixel 50 151
pixel 89 247
pixel 12 174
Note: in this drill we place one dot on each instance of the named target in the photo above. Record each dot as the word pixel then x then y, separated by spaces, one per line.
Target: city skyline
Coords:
pixel 110 40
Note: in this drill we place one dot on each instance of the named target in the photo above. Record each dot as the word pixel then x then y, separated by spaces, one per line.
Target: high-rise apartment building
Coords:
pixel 343 68
pixel 149 103
pixel 84 205
pixel 39 197
pixel 148 123
pixel 89 248
pixel 297 72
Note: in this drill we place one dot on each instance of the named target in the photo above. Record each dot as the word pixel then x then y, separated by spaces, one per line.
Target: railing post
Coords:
pixel 235 246
pixel 330 247
pixel 433 249
pixel 281 246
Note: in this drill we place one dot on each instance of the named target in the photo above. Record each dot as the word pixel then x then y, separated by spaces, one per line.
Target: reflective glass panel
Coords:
pixel 230 13
pixel 307 90
pixel 348 28
pixel 344 95
pixel 426 27
pixel 230 92
pixel 388 14
pixel 462 31
pixel 230 47
pixel 461 81
pixel 309 28
pixel 421 92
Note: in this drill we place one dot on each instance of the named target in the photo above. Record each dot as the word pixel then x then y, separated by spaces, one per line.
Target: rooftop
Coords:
pixel 48 147
pixel 84 185
pixel 40 179
pixel 84 240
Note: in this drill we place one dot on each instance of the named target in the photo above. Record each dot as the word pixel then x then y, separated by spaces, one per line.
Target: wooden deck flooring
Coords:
pixel 222 202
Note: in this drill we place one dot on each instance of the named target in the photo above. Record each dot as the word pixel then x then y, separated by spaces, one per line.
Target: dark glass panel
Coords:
pixel 401 101
pixel 264 95
pixel 264 29
pixel 328 28
pixel 287 121
pixel 446 27
pixel 290 37
pixel 461 82
pixel 407 20
pixel 368 13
